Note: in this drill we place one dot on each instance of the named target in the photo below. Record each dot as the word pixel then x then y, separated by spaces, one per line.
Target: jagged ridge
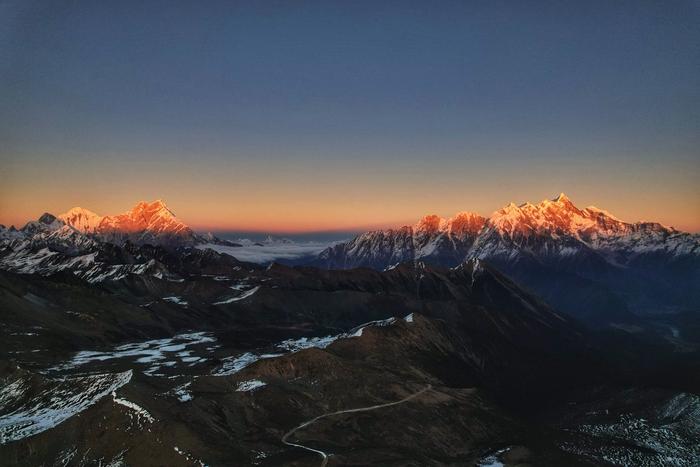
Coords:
pixel 585 260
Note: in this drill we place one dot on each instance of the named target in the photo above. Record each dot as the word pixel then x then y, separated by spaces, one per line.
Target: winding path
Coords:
pixel 323 455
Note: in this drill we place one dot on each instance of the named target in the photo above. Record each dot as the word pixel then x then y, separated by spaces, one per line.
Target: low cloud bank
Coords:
pixel 268 253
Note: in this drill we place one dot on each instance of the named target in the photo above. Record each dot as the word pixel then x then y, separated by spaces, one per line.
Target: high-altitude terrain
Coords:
pixel 126 341
pixel 585 261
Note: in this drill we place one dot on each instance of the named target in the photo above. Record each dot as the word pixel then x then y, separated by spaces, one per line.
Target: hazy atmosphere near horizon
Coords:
pixel 315 116
pixel 350 233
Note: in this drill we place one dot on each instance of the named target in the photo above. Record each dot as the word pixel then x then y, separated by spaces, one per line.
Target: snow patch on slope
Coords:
pixel 147 352
pixel 139 411
pixel 240 297
pixel 59 401
pixel 250 385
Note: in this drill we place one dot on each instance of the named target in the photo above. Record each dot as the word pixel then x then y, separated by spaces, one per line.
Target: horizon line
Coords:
pixel 351 230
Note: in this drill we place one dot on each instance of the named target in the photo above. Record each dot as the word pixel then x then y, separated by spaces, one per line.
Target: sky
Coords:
pixel 301 116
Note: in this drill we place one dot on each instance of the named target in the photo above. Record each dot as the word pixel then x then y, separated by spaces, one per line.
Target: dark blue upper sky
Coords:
pixel 291 107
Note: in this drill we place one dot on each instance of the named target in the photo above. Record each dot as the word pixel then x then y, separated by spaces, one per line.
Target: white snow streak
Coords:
pixel 242 296
pixel 250 385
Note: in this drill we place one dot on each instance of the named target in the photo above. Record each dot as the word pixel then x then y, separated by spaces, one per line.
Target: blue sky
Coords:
pixel 304 115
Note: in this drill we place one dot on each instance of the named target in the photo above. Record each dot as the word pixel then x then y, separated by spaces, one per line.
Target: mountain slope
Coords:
pixel 325 341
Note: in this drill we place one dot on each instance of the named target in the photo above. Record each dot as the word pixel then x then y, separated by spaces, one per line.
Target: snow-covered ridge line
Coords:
pixel 140 411
pixel 551 227
pixel 235 364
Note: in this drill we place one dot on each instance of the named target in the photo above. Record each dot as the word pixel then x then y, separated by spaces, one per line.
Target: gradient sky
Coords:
pixel 304 116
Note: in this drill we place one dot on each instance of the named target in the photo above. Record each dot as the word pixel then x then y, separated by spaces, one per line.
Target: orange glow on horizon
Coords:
pixel 289 196
pixel 340 218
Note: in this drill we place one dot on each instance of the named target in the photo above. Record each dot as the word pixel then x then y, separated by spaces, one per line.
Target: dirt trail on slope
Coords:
pixel 323 455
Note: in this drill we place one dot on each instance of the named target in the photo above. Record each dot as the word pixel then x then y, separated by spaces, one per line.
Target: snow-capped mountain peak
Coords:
pixel 562 198
pixel 146 223
pixel 465 222
pixel 47 219
pixel 150 219
pixel 155 216
pixel 558 216
pixel 459 224
pixel 157 207
pixel 509 218
pixel 81 219
pixel 430 224
pixel 46 223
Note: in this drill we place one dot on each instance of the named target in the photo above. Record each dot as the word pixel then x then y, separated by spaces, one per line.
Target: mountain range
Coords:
pixel 97 248
pixel 584 261
pixel 551 228
pixel 146 223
